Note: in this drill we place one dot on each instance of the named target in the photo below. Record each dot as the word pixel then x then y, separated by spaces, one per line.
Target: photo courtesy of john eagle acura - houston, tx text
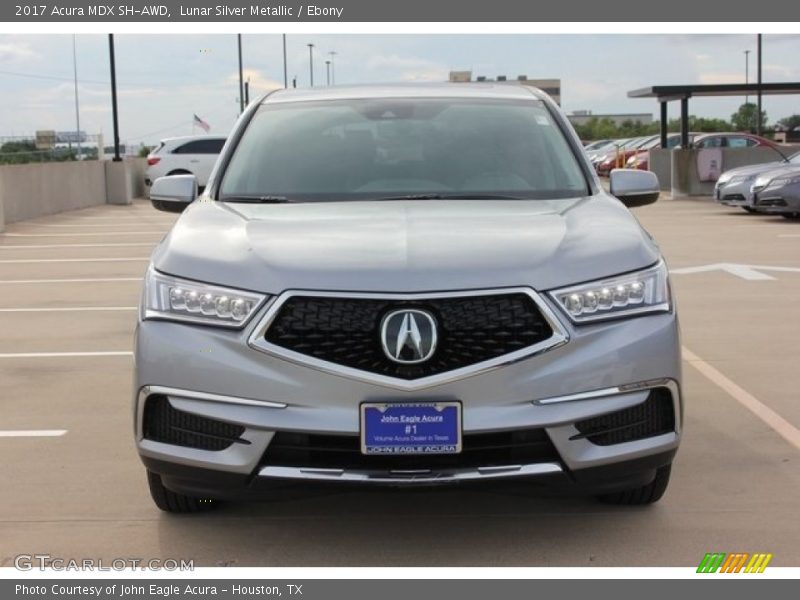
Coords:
pixel 406 285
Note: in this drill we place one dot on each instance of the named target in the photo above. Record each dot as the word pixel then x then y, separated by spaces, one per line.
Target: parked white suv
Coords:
pixel 187 155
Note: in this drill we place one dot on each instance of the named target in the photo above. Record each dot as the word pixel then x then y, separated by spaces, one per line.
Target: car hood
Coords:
pixel 405 246
pixel 782 169
pixel 754 169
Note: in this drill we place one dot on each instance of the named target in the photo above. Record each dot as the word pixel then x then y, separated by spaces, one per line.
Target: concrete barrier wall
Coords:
pixel 660 163
pixel 39 189
pixel 685 180
pixel 33 190
pixel 136 176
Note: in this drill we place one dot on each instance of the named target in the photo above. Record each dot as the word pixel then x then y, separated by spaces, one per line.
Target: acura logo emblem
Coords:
pixel 408 336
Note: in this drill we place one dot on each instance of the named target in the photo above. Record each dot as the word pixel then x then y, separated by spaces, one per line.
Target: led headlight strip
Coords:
pixel 174 299
pixel 636 293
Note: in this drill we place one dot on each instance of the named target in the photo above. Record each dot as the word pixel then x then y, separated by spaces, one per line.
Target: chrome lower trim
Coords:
pixel 612 391
pixel 257 340
pixel 147 390
pixel 409 477
pixel 628 388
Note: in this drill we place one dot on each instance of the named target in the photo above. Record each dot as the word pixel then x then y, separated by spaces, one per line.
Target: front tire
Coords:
pixel 791 216
pixel 172 502
pixel 646 494
pixel 749 209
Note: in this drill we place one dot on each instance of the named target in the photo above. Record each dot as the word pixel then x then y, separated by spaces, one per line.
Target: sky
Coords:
pixel 164 79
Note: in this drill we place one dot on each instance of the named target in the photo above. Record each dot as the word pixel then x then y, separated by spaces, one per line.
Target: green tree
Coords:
pixel 744 119
pixel 790 122
pixel 15 153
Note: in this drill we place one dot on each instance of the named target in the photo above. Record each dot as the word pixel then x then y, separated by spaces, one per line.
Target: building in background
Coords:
pixel 551 87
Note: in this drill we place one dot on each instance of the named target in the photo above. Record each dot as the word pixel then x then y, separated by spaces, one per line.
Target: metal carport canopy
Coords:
pixel 667 93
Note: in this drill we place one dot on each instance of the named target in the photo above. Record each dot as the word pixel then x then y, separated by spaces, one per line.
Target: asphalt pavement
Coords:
pixel 73 486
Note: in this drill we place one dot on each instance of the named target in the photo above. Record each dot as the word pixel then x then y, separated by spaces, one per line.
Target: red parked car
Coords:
pixel 618 157
pixel 702 140
pixel 731 140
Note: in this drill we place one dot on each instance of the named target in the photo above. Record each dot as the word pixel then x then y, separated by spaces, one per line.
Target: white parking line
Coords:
pixel 71 260
pixel 778 424
pixel 83 233
pixel 33 433
pixel 67 309
pixel 64 354
pixel 84 280
pixel 80 223
pixel 43 246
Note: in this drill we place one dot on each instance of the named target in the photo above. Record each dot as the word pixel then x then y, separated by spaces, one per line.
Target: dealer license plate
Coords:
pixel 411 428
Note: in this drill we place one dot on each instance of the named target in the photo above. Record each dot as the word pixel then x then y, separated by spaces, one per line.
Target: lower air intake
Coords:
pixel 655 416
pixel 164 423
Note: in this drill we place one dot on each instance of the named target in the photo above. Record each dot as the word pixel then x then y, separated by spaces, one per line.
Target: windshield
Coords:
pixel 392 148
pixel 795 158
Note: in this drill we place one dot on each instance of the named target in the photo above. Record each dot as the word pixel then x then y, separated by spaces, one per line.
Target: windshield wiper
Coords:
pixel 450 197
pixel 268 199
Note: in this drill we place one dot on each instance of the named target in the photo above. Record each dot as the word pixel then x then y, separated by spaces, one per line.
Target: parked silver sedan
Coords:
pixel 778 192
pixel 733 188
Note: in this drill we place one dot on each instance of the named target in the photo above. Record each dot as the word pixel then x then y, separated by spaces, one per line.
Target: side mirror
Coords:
pixel 634 187
pixel 173 193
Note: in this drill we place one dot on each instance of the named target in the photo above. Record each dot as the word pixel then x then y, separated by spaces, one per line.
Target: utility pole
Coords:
pixel 311 62
pixel 328 72
pixel 114 114
pixel 241 75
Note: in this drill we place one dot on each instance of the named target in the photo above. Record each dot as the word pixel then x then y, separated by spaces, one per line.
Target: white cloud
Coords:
pixel 16 51
pixel 716 78
pixel 259 83
pixel 407 68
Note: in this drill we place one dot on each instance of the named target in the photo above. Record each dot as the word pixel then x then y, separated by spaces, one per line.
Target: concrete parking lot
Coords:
pixel 73 486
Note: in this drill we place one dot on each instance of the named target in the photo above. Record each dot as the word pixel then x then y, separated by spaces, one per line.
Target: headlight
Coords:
pixel 724 178
pixel 742 179
pixel 780 181
pixel 637 293
pixel 174 299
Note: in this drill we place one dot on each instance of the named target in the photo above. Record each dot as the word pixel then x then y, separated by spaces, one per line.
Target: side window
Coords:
pixel 740 142
pixel 210 146
pixel 713 142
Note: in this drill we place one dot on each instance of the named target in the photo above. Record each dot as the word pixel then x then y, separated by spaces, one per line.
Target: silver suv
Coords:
pixel 406 285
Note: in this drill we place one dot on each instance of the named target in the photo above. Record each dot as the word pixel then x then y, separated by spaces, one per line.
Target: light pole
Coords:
pixel 285 72
pixel 758 111
pixel 333 68
pixel 747 74
pixel 311 62
pixel 114 115
pixel 328 72
pixel 241 75
pixel 77 106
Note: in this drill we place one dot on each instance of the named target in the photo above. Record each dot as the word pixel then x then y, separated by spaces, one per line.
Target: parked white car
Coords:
pixel 187 155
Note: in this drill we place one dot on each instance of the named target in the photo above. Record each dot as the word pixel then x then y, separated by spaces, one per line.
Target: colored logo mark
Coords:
pixel 738 562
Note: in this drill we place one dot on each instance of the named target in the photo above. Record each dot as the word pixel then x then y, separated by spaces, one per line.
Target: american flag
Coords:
pixel 201 124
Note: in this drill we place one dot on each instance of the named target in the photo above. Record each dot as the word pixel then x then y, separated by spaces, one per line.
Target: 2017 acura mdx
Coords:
pixel 406 285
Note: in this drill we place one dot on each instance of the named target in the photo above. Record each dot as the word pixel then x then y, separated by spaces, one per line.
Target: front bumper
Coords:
pixel 213 373
pixel 779 199
pixel 734 194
